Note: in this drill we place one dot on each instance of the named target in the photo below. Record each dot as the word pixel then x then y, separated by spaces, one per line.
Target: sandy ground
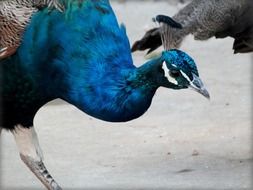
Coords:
pixel 183 142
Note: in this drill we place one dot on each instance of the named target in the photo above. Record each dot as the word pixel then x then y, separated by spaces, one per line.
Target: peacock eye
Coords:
pixel 174 73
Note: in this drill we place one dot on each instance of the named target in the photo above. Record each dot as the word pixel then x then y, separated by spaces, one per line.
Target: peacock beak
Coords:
pixel 197 85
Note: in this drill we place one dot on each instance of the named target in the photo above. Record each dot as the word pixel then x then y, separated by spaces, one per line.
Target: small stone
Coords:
pixel 195 153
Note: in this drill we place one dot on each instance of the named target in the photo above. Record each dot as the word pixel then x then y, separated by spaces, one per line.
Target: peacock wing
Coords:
pixel 14 17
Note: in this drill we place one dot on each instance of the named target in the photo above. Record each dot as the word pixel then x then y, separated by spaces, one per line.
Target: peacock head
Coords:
pixel 180 71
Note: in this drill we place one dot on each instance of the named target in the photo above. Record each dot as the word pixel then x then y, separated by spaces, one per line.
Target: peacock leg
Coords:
pixel 31 155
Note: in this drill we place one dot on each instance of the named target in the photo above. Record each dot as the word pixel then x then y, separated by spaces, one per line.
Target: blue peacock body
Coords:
pixel 79 57
pixel 83 56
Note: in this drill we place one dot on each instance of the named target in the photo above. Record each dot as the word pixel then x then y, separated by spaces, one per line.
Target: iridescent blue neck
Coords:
pixel 115 96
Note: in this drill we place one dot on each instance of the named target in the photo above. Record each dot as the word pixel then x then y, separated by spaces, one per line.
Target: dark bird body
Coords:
pixel 206 19
pixel 82 56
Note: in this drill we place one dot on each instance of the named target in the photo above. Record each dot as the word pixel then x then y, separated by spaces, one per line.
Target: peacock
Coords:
pixel 14 16
pixel 206 19
pixel 83 56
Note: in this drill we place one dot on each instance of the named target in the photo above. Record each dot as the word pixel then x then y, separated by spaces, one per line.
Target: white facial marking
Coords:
pixel 191 82
pixel 166 73
pixel 185 76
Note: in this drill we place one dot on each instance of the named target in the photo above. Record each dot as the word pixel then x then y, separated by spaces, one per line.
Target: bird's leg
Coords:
pixel 31 155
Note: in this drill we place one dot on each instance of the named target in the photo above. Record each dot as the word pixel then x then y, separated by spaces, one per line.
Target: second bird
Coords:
pixel 206 19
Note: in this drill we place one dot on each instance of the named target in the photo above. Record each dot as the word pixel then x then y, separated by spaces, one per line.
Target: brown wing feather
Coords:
pixel 14 17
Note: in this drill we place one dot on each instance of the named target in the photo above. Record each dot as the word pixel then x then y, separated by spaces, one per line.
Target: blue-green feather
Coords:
pixel 81 55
